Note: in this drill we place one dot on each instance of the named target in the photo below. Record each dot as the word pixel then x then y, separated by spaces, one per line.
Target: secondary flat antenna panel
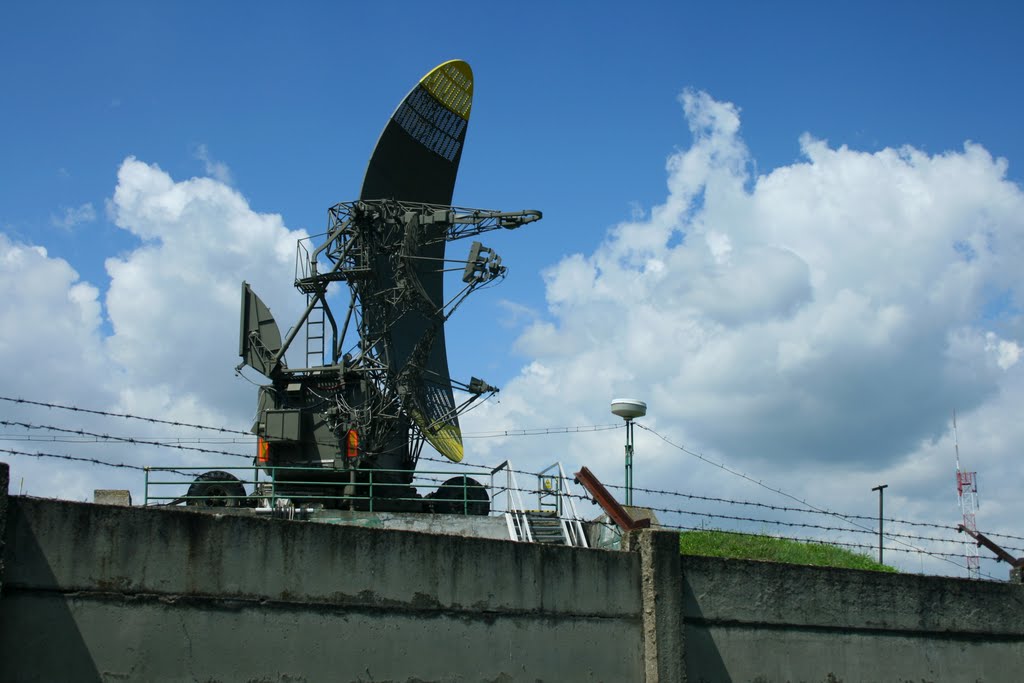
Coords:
pixel 417 160
pixel 259 337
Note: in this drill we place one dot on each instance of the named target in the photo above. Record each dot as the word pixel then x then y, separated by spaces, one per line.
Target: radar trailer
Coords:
pixel 348 428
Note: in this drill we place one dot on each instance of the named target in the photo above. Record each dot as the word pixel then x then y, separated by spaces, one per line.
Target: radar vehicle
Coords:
pixel 348 427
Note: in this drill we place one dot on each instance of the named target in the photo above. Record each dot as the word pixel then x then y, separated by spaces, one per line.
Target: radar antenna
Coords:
pixel 375 384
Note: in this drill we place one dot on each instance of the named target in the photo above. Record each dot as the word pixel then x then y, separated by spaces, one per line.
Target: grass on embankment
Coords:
pixel 752 547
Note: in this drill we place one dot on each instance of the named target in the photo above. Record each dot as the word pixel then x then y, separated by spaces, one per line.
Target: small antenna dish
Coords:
pixel 628 408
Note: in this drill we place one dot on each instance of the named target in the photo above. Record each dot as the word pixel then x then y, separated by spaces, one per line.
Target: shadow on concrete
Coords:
pixel 40 639
pixel 704 663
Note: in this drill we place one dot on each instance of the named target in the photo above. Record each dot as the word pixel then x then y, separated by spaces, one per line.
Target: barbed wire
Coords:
pixel 127 416
pixel 870 518
pixel 821 527
pixel 943 556
pixel 783 508
pixel 96 461
pixel 90 439
pixel 890 535
pixel 75 458
pixel 857 529
pixel 541 431
pixel 426 478
pixel 123 439
pixel 849 519
pixel 737 473
pixel 537 431
pixel 894 536
pixel 910 549
pixel 809 508
pixel 84 436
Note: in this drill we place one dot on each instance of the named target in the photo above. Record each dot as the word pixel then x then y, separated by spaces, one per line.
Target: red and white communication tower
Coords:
pixel 967 494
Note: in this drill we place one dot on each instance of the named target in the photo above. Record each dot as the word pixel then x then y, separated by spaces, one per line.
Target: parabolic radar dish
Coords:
pixel 417 160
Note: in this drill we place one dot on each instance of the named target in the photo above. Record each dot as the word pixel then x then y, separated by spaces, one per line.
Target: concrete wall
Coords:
pixel 760 621
pixel 95 592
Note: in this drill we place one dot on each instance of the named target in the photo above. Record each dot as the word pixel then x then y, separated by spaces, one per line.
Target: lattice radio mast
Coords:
pixel 967 494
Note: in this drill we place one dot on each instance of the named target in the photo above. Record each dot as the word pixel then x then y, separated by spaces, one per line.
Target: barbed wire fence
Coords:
pixel 701 512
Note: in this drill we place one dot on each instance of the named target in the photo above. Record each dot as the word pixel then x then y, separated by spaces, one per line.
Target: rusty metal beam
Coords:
pixel 608 503
pixel 984 540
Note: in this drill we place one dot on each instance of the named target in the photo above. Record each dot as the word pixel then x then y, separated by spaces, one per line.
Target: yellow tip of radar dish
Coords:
pixel 446 438
pixel 451 84
pixel 448 442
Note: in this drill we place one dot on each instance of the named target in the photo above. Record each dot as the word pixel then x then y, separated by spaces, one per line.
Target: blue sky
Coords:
pixel 823 213
pixel 574 110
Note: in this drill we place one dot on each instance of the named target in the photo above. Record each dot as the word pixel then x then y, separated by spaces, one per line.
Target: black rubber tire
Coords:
pixel 216 489
pixel 447 499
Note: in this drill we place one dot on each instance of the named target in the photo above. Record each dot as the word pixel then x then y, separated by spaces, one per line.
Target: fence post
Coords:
pixel 661 598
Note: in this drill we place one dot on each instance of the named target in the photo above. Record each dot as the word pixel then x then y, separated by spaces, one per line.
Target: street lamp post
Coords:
pixel 880 488
pixel 629 409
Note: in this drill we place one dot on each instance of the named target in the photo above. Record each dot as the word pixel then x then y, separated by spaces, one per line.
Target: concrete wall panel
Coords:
pixel 768 592
pixel 756 653
pixel 90 547
pixel 102 592
pixel 762 621
pixel 144 638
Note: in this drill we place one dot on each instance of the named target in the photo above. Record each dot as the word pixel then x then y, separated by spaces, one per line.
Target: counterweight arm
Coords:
pixel 471 222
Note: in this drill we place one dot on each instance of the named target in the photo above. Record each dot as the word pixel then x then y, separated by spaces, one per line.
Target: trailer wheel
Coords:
pixel 448 499
pixel 216 489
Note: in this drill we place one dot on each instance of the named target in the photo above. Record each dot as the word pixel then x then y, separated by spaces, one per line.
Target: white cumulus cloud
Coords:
pixel 172 307
pixel 819 322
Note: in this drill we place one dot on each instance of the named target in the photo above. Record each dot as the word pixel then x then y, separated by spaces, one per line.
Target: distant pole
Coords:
pixel 881 494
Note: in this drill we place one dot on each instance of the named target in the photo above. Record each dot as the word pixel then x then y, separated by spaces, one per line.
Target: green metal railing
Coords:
pixel 169 485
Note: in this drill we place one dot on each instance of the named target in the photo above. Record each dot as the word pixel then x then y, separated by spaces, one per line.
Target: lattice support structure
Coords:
pixel 967 493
